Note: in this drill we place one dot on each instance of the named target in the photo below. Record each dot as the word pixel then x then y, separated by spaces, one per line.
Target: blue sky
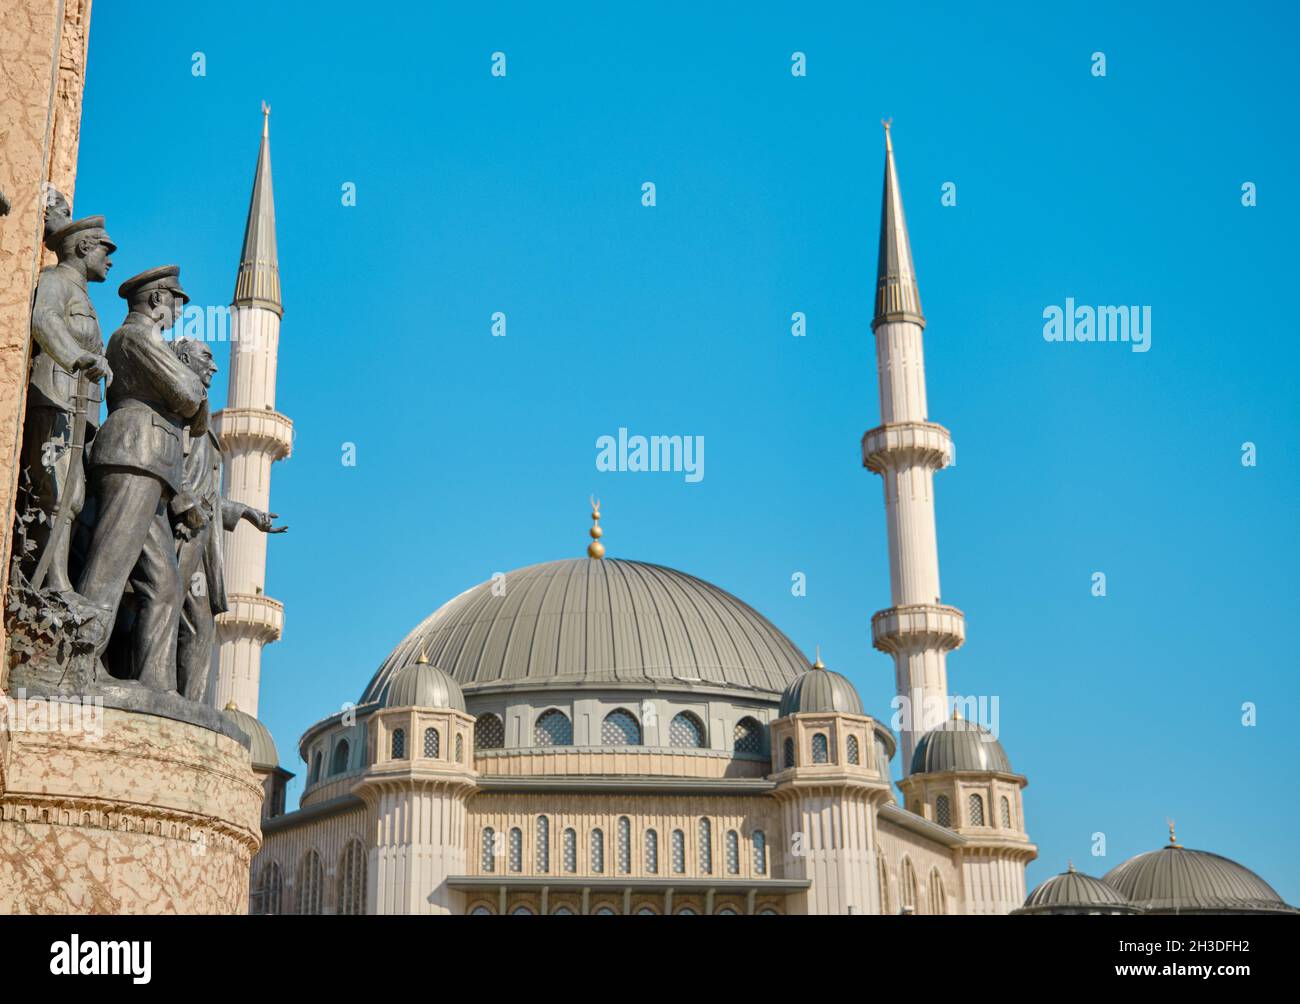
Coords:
pixel 522 194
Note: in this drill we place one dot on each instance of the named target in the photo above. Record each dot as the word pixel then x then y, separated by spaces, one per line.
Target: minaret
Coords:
pixel 255 435
pixel 905 450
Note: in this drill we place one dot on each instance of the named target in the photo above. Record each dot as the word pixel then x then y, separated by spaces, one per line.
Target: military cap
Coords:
pixel 90 226
pixel 166 277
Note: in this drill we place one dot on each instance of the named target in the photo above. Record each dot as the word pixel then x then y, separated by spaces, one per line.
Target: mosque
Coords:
pixel 595 735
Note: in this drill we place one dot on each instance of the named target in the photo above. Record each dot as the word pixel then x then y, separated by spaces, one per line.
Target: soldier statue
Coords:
pixel 136 468
pixel 63 396
pixel 201 516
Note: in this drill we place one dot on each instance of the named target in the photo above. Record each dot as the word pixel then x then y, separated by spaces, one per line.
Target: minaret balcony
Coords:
pixel 918 626
pixel 255 428
pixel 252 615
pixel 906 444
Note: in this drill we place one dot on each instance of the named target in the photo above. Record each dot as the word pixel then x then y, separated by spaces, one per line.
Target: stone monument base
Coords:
pixel 122 812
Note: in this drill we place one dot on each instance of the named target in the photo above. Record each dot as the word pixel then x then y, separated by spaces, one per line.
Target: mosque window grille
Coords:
pixel 820 748
pixel 882 878
pixel 787 757
pixel 398 746
pixel 339 762
pixel 489 732
pixel 907 886
pixel 679 852
pixel 620 728
pixel 942 811
pixel 759 840
pixel 488 858
pixel 516 849
pixel 315 768
pixel 543 863
pixel 705 849
pixel 624 845
pixel 686 730
pixel 938 896
pixel 432 744
pixel 651 852
pixel 553 728
pixel 1006 813
pixel 311 880
pixel 598 852
pixel 271 890
pixel 460 749
pixel 570 851
pixel 733 852
pixel 352 880
pixel 853 753
pixel 747 736
pixel 976 813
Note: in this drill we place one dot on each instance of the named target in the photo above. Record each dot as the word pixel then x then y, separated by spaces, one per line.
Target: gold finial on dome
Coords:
pixel 956 712
pixel 595 549
pixel 819 664
pixel 232 706
pixel 1069 866
pixel 1173 839
pixel 423 660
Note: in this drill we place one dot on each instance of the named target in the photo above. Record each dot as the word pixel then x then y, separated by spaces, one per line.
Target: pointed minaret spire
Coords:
pixel 897 295
pixel 257 283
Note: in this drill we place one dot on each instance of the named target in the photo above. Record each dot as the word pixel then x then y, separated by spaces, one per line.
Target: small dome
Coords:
pixel 1073 891
pixel 423 685
pixel 262 746
pixel 1178 880
pixel 959 745
pixel 820 691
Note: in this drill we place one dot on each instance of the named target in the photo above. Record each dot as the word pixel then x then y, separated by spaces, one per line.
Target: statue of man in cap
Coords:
pixel 67 364
pixel 201 516
pixel 136 468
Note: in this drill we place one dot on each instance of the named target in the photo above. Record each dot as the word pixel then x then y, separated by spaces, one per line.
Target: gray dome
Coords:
pixel 262 746
pixel 819 690
pixel 1073 891
pixel 588 622
pixel 423 686
pixel 1178 880
pixel 959 745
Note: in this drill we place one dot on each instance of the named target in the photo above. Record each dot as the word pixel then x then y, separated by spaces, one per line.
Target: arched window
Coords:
pixel 352 880
pixel 432 745
pixel 570 851
pixel 820 748
pixel 938 898
pixel 480 910
pixel 488 848
pixel 598 851
pixel 907 885
pixel 460 749
pixel 399 744
pixel 787 754
pixel 1006 813
pixel 270 890
pixel 726 911
pixel 315 768
pixel 543 863
pixel 624 845
pixel 562 911
pixel 620 728
pixel 605 911
pixel 687 911
pixel 759 841
pixel 340 762
pixel 489 732
pixel 853 750
pixel 706 847
pixel 553 728
pixel 747 736
pixel 522 911
pixel 976 810
pixel 651 852
pixel 679 852
pixel 686 730
pixel 311 880
pixel 882 879
pixel 516 849
pixel 647 911
pixel 942 811
pixel 733 852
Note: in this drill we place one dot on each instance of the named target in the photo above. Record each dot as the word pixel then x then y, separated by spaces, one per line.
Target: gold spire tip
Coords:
pixel 266 118
pixel 231 706
pixel 1069 865
pixel 888 143
pixel 423 660
pixel 595 549
pixel 819 664
pixel 1173 838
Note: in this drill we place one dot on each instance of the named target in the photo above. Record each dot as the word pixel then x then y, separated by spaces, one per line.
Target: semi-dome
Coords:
pixel 262 746
pixel 423 686
pixel 606 622
pixel 959 745
pixel 821 691
pixel 1075 892
pixel 1177 879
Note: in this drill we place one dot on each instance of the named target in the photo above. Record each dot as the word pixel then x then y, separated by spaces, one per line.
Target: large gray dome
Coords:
pixel 1179 880
pixel 598 623
pixel 959 745
pixel 1075 892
